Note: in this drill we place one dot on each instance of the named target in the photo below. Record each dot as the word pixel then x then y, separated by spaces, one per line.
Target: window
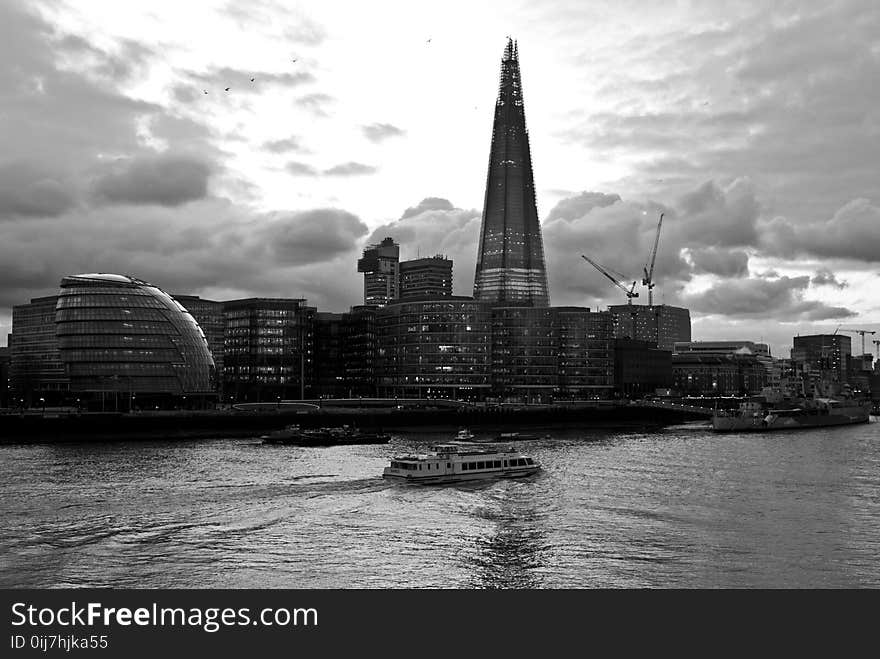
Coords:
pixel 481 465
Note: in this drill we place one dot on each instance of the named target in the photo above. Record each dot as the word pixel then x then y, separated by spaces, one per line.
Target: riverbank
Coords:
pixel 16 428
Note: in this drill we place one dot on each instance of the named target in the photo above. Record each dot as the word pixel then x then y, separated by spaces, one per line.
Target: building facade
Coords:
pixel 269 349
pixel 660 324
pixel 823 358
pixel 328 377
pixel 380 265
pixel 510 258
pixel 426 277
pixel 209 316
pixel 695 374
pixel 124 337
pixel 5 360
pixel 36 372
pixel 434 348
pixel 360 346
pixel 640 368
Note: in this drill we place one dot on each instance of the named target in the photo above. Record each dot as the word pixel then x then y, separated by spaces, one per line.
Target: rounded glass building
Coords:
pixel 119 334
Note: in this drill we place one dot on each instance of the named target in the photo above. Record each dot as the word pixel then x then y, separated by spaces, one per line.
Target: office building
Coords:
pixel 660 324
pixel 640 368
pixel 122 336
pixel 5 359
pixel 380 265
pixel 824 358
pixel 426 277
pixel 510 258
pixel 360 345
pixel 36 373
pixel 434 348
pixel 269 349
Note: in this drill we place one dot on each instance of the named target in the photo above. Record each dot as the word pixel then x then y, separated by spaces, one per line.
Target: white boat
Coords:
pixel 459 461
pixel 464 435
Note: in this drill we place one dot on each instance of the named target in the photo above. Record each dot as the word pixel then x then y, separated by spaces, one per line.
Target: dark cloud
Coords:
pixel 32 190
pixel 126 59
pixel 300 169
pixel 780 299
pixel 827 278
pixel 381 132
pixel 350 169
pixel 164 179
pixel 719 261
pixel 285 145
pixel 853 232
pixel 312 236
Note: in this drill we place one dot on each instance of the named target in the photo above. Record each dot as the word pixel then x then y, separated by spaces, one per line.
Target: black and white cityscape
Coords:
pixel 671 380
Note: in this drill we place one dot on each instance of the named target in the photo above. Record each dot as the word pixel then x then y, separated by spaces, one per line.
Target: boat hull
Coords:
pixel 843 417
pixel 443 479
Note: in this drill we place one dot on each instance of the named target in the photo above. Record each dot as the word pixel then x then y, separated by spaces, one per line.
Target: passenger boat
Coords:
pixel 454 462
pixel 758 416
pixel 296 436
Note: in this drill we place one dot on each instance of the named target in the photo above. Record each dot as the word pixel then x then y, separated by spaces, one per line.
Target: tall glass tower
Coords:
pixel 510 260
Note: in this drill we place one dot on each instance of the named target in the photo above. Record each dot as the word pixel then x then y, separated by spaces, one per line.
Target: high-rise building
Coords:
pixel 269 349
pixel 426 277
pixel 660 324
pixel 823 357
pixel 380 264
pixel 35 369
pixel 5 359
pixel 510 257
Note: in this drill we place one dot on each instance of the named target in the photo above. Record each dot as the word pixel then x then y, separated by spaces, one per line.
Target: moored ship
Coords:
pixel 294 435
pixel 460 461
pixel 759 416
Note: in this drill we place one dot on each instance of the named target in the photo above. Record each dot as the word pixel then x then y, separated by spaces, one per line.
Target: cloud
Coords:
pixel 300 169
pixel 216 80
pixel 435 226
pixel 164 179
pixel 312 236
pixel 28 189
pixel 381 132
pixel 825 277
pixel 719 261
pixel 572 208
pixel 350 169
pixel 428 204
pixel 316 103
pixel 284 145
pixel 853 232
pixel 780 299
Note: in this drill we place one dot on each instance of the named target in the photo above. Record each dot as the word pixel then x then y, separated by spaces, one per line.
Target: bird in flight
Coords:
pixel 293 60
pixel 428 41
pixel 227 89
pixel 252 79
pixel 205 90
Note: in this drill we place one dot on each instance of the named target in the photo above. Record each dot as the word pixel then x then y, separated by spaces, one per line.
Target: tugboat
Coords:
pixel 296 436
pixel 454 462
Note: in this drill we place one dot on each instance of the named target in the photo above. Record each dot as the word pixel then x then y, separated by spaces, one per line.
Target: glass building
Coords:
pixel 209 316
pixel 269 349
pixel 434 348
pixel 660 324
pixel 36 372
pixel 122 335
pixel 510 257
pixel 426 277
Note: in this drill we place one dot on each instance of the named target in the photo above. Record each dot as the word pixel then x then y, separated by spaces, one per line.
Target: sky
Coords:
pixel 753 127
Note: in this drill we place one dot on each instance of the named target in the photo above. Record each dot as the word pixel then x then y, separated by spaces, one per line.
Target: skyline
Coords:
pixel 754 130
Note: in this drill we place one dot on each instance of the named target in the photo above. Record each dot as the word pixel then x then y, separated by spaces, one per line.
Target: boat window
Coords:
pixel 464 466
pixel 497 464
pixel 481 465
pixel 529 461
pixel 505 463
pixel 420 467
pixel 449 465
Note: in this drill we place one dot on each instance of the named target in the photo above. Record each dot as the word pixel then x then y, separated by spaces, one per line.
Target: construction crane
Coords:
pixel 862 332
pixel 648 279
pixel 616 278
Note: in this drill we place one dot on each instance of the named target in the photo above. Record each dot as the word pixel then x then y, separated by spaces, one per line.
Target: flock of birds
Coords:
pixel 226 89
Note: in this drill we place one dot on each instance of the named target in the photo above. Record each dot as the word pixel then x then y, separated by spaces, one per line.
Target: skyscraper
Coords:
pixel 380 264
pixel 510 260
pixel 422 277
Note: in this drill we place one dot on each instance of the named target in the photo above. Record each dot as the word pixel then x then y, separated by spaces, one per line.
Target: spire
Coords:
pixel 510 261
